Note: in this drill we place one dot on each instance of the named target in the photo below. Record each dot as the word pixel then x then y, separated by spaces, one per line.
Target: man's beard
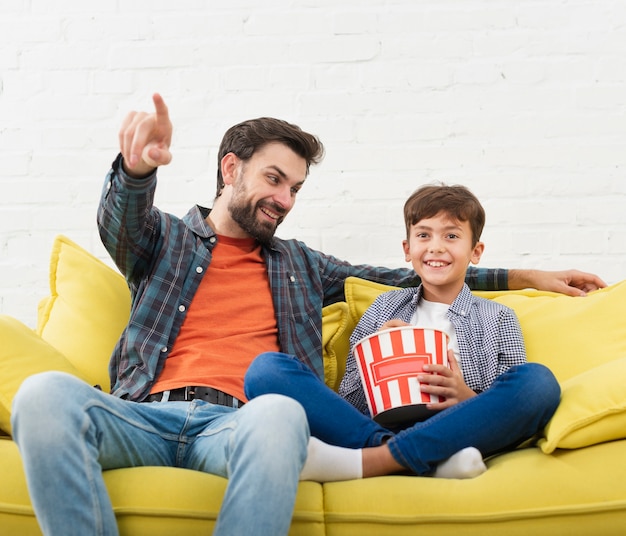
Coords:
pixel 245 214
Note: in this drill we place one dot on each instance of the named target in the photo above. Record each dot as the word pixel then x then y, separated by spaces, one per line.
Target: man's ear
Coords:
pixel 477 253
pixel 230 167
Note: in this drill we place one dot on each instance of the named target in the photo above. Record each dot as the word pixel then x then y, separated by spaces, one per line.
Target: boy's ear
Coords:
pixel 406 247
pixel 477 253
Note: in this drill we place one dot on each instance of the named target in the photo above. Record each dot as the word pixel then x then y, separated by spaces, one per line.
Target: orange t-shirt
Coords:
pixel 230 321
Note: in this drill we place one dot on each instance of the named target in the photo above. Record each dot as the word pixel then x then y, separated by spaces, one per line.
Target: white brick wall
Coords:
pixel 522 100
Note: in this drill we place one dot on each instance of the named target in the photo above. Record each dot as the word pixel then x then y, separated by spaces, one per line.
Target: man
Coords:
pixel 210 292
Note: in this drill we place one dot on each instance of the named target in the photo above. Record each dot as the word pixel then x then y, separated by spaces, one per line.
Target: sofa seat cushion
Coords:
pixel 523 492
pixel 150 501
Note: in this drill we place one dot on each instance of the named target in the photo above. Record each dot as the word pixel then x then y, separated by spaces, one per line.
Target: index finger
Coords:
pixel 434 369
pixel 160 107
pixel 454 364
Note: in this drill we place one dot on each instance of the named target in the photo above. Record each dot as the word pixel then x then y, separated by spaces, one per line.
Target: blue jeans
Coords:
pixel 68 433
pixel 518 404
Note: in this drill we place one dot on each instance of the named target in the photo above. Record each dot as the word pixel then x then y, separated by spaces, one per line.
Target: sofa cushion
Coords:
pixel 336 329
pixel 569 335
pixel 150 501
pixel 86 311
pixel 582 340
pixel 89 305
pixel 23 353
pixel 571 492
pixel 592 409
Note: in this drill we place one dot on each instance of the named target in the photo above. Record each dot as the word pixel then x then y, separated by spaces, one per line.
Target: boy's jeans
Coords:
pixel 518 404
pixel 68 433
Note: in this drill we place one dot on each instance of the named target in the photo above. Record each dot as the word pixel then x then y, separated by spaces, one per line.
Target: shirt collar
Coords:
pixel 195 219
pixel 461 304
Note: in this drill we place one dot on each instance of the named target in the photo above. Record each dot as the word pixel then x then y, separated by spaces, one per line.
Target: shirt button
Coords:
pixel 199 269
pixel 292 279
pixel 463 313
pixel 212 240
pixel 181 308
pixel 164 349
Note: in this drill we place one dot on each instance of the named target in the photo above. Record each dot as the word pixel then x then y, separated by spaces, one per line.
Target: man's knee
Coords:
pixel 42 390
pixel 41 398
pixel 277 412
pixel 276 418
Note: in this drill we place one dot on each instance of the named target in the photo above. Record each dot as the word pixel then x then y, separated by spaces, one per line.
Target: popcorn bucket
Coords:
pixel 389 362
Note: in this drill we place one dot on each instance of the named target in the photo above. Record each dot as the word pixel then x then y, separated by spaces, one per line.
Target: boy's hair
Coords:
pixel 245 138
pixel 456 201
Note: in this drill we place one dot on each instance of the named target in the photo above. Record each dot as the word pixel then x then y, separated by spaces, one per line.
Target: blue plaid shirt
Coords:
pixel 489 336
pixel 164 258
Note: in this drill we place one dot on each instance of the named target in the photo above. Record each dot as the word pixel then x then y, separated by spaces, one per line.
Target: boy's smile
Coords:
pixel 440 250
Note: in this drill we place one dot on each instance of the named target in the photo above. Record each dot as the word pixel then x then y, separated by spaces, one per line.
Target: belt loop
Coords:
pixel 166 396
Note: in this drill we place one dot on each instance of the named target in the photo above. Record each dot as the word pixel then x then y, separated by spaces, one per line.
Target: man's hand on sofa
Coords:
pixel 569 282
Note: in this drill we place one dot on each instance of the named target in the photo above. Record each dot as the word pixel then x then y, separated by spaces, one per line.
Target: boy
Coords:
pixel 482 413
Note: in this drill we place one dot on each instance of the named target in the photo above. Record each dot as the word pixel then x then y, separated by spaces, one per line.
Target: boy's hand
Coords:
pixel 393 323
pixel 443 381
pixel 145 139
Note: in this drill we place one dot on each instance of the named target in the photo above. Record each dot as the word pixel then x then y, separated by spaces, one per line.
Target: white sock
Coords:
pixel 328 463
pixel 467 463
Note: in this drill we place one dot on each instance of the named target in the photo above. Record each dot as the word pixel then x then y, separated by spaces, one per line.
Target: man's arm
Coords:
pixel 570 282
pixel 123 216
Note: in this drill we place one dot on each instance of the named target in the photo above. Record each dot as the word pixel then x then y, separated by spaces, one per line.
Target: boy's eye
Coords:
pixel 452 236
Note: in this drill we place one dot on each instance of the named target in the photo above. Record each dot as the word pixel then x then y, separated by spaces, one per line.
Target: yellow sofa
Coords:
pixel 572 480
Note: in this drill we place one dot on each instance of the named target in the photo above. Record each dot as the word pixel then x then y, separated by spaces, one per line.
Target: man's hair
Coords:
pixel 245 138
pixel 455 201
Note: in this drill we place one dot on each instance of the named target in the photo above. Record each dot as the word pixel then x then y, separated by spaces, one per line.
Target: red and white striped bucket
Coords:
pixel 389 362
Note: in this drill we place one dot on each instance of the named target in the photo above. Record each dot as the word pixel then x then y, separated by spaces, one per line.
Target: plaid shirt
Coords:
pixel 489 336
pixel 164 258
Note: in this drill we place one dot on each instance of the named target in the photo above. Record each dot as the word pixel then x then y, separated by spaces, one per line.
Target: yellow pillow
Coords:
pixel 360 294
pixel 86 312
pixel 571 335
pixel 592 409
pixel 336 329
pixel 22 354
